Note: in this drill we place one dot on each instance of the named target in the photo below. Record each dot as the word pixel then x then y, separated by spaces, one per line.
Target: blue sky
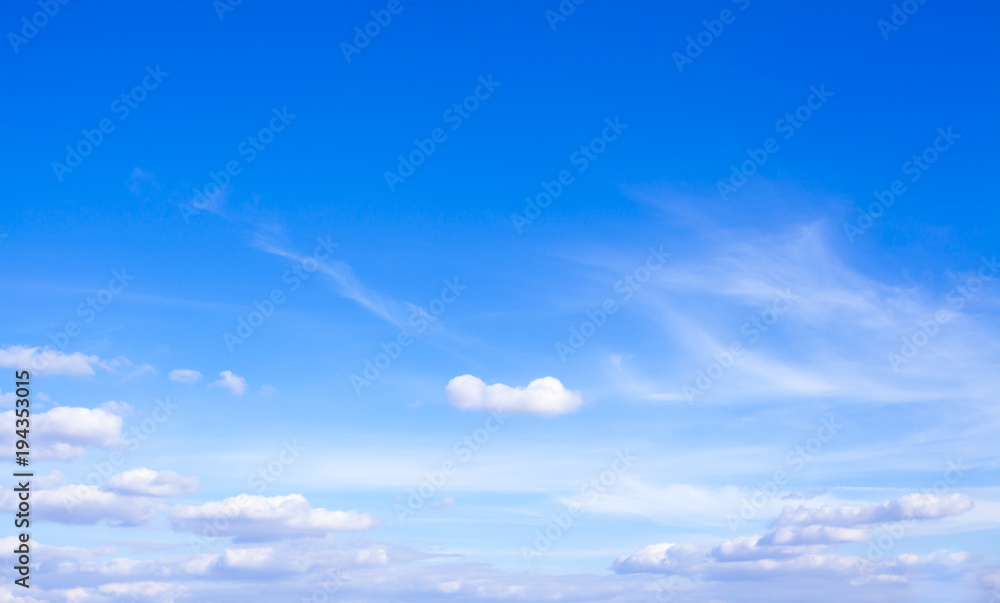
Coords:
pixel 681 303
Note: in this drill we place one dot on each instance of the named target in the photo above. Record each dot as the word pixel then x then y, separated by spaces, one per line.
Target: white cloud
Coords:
pixel 130 498
pixel 254 517
pixel 82 504
pixel 142 369
pixel 118 408
pixel 911 506
pixel 545 396
pixel 184 376
pixel 844 321
pixel 46 361
pixel 797 546
pixel 234 383
pixel 125 366
pixel 666 557
pixel 814 534
pixel 749 548
pixel 158 592
pixel 346 283
pixel 268 390
pixel 447 501
pixel 7 596
pixel 146 482
pixel 63 432
pixel 380 572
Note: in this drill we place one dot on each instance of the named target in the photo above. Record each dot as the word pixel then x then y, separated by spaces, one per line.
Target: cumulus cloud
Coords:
pixel 911 506
pixel 46 361
pixel 147 482
pixel 83 504
pixel 750 548
pixel 256 518
pixel 187 376
pixel 545 396
pixel 268 390
pixel 64 432
pixel 131 498
pixel 666 557
pixel 381 572
pixel 799 543
pixel 814 534
pixel 234 383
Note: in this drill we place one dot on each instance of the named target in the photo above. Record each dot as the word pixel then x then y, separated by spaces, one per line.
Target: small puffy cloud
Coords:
pixel 545 396
pixel 257 518
pixel 234 383
pixel 146 482
pixel 62 433
pixel 187 376
pixel 46 361
pixel 268 390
